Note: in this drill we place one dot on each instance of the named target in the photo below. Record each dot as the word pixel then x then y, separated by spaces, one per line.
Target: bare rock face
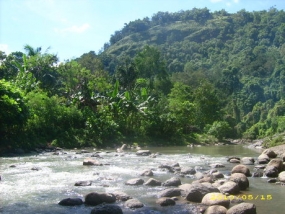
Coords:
pixel 242 208
pixel 107 209
pixel 133 203
pixel 216 199
pixel 71 202
pixel 241 169
pixel 241 180
pixel 165 202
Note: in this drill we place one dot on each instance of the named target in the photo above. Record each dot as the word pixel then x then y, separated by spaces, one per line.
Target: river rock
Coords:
pixel 263 159
pixel 133 203
pixel 197 191
pixel 171 192
pixel 199 175
pixel 152 182
pixel 242 208
pixel 247 161
pixel 216 209
pixel 283 156
pixel 216 199
pixel 91 162
pixel 169 166
pixel 174 181
pixel 241 169
pixel 277 163
pixel 234 161
pixel 143 152
pixel 135 181
pixel 232 157
pixel 83 183
pixel 281 176
pixel 107 209
pixel 217 165
pixel 217 175
pixel 185 188
pixel 270 153
pixel 71 202
pixel 272 180
pixel 165 202
pixel 271 171
pixel 187 171
pixel 229 187
pixel 241 180
pixel 147 172
pixel 219 182
pixel 95 198
pixel 121 196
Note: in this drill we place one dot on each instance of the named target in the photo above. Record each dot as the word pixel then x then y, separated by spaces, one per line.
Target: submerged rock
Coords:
pixel 71 202
pixel 107 209
pixel 165 202
pixel 91 162
pixel 83 183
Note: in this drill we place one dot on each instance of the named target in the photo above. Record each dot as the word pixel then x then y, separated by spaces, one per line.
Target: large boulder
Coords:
pixel 174 181
pixel 133 203
pixel 241 180
pixel 165 202
pixel 216 199
pixel 185 188
pixel 241 169
pixel 134 181
pixel 281 177
pixel 91 162
pixel 271 171
pixel 242 208
pixel 270 153
pixel 247 160
pixel 197 191
pixel 216 209
pixel 107 209
pixel 217 175
pixel 143 152
pixel 229 187
pixel 95 198
pixel 263 159
pixel 71 202
pixel 171 192
pixel 152 182
pixel 277 163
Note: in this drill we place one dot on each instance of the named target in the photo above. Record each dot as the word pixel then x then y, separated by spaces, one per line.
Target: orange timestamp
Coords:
pixel 243 197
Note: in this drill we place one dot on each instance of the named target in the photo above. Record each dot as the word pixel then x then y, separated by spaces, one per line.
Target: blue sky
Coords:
pixel 73 27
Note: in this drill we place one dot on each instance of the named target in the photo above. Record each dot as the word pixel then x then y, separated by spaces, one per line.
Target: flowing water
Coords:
pixel 27 191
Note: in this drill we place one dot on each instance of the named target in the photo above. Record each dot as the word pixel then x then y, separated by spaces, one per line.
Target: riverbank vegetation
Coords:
pixel 171 79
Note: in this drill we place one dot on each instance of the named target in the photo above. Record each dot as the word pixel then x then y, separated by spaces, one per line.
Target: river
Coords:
pixel 27 191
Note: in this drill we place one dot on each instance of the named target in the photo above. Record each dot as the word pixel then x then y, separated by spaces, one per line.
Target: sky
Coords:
pixel 71 28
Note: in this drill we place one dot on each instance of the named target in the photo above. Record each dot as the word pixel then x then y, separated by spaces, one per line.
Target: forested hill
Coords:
pixel 174 78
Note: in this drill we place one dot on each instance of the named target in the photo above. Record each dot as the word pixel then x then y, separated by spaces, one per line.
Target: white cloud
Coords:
pixel 5 48
pixel 73 29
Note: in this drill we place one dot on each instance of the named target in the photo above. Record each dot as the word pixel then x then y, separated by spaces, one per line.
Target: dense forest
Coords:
pixel 172 79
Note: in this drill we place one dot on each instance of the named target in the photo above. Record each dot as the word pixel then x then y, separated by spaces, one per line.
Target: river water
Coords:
pixel 27 191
